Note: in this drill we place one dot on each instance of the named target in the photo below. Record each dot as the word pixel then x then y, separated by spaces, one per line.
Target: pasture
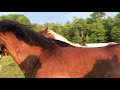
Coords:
pixel 9 68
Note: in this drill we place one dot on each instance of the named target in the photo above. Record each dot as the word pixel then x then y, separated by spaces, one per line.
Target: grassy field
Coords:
pixel 9 68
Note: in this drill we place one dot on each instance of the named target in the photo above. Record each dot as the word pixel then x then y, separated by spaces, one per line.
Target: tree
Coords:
pixel 68 31
pixel 115 34
pixel 98 14
pixel 97 33
pixel 108 25
pixel 16 17
pixel 117 20
pixel 80 28
pixel 117 16
pixel 36 27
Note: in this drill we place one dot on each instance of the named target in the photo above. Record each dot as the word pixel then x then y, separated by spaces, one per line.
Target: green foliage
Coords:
pixel 115 34
pixel 97 33
pixel 10 69
pixel 79 25
pixel 98 14
pixel 90 30
pixel 16 17
pixel 36 27
pixel 108 25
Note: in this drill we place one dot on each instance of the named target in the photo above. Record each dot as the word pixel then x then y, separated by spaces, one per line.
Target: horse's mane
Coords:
pixel 25 33
pixel 61 38
pixel 58 37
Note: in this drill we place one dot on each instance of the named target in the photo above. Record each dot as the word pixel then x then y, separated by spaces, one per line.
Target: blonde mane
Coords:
pixel 61 38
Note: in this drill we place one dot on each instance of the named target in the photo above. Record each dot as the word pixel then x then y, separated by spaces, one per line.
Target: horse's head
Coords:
pixel 47 34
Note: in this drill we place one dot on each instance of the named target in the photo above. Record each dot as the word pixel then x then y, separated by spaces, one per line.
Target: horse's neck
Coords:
pixel 25 56
pixel 31 58
pixel 10 45
pixel 28 57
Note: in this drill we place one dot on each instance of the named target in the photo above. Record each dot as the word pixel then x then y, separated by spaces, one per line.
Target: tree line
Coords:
pixel 96 29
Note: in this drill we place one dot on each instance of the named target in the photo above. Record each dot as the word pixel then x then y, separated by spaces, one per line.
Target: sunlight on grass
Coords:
pixel 9 68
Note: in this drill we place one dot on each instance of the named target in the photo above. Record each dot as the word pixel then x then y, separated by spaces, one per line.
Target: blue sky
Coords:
pixel 61 17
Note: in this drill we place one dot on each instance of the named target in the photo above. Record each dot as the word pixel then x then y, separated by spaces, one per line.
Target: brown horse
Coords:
pixel 46 33
pixel 40 57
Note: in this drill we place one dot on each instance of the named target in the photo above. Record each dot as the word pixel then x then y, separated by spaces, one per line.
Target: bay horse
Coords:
pixel 41 57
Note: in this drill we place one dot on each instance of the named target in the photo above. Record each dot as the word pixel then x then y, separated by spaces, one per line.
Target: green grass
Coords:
pixel 9 68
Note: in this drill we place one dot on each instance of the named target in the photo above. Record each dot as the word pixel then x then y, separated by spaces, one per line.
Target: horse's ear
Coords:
pixel 46 30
